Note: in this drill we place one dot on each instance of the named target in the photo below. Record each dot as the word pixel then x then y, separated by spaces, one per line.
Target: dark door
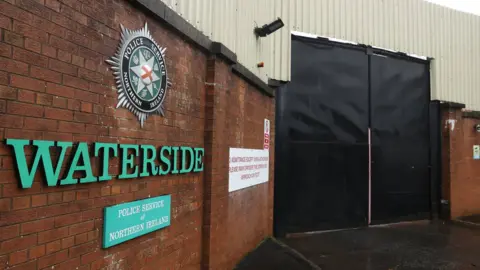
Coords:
pixel 327 167
pixel 322 151
pixel 400 139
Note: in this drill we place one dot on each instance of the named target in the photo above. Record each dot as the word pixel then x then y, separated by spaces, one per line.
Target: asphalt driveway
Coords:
pixel 421 245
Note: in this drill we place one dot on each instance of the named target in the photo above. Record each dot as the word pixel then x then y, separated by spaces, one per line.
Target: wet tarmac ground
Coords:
pixel 272 255
pixel 409 246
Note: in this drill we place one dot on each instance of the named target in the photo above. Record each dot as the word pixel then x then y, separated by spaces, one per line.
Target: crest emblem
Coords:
pixel 140 73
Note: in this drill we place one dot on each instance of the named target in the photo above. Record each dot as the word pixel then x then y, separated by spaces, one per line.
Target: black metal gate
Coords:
pixel 352 141
pixel 400 139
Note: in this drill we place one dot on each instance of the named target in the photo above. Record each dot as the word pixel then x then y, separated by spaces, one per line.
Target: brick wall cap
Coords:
pixel 471 114
pixel 221 50
pixel 253 79
pixel 276 83
pixel 452 105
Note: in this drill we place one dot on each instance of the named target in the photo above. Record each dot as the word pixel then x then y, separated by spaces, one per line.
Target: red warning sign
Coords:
pixel 266 137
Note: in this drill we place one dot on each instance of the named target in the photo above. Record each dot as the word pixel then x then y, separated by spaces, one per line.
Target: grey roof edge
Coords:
pixel 170 17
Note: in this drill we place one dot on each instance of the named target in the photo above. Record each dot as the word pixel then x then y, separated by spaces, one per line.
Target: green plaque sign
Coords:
pixel 133 219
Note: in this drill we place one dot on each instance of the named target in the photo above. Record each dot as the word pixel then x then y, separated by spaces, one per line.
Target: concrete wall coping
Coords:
pixel 452 105
pixel 471 114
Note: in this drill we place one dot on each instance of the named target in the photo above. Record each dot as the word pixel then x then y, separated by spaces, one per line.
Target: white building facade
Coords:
pixel 450 38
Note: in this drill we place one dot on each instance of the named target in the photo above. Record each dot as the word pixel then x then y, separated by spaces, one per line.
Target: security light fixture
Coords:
pixel 267 29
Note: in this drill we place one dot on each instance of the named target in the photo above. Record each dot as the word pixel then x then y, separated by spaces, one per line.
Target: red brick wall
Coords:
pixel 461 173
pixel 234 222
pixel 55 85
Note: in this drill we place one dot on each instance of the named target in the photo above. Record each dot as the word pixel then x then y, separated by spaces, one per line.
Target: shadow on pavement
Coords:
pixel 474 220
pixel 272 255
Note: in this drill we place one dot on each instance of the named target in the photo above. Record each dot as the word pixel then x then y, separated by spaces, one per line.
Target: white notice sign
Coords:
pixel 248 167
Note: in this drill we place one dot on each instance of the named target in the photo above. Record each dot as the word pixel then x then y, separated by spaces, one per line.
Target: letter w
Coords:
pixel 42 154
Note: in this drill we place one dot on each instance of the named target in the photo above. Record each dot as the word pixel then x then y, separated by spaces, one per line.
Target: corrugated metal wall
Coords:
pixel 452 38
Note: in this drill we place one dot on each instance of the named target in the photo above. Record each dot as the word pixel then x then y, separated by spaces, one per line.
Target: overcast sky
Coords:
pixel 471 6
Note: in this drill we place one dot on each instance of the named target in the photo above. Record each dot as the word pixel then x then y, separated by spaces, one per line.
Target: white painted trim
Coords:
pixel 342 41
pixel 303 34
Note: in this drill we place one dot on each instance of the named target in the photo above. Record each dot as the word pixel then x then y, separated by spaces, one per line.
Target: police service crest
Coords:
pixel 140 73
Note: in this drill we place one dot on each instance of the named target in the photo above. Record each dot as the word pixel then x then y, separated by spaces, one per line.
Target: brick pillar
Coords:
pixel 233 222
pixel 209 129
pixel 452 158
pixel 461 172
pixel 214 190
